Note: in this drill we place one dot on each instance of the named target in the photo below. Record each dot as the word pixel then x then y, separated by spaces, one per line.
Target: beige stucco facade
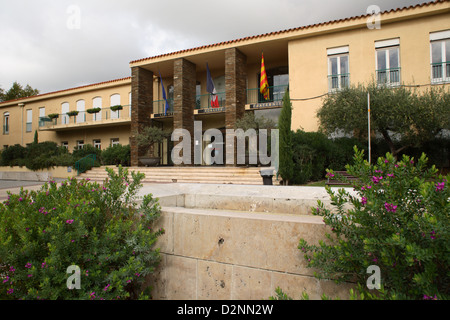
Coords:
pixel 308 58
pixel 66 130
pixel 300 57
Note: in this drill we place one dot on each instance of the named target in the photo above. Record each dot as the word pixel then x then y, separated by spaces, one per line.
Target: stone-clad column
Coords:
pixel 235 93
pixel 184 98
pixel 141 108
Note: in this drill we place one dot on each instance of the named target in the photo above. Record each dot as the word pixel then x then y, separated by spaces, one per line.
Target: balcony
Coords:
pixel 388 77
pixel 86 119
pixel 203 104
pixel 255 100
pixel 440 72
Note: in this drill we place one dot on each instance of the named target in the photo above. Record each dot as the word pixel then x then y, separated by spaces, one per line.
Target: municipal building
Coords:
pixel 404 46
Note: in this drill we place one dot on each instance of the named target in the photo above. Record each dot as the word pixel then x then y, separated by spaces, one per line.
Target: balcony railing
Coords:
pixel 204 101
pixel 440 72
pixel 159 107
pixel 85 117
pixel 338 81
pixel 390 77
pixel 276 94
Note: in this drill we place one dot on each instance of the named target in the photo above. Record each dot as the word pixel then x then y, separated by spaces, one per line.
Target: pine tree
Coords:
pixel 286 165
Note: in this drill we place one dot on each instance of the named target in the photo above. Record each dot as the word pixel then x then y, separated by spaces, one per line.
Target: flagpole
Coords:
pixel 368 124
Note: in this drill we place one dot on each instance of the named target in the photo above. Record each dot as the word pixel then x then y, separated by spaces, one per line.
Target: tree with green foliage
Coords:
pixel 286 164
pixel 404 117
pixel 17 91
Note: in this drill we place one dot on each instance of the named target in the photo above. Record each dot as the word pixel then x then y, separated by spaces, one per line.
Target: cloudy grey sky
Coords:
pixel 53 45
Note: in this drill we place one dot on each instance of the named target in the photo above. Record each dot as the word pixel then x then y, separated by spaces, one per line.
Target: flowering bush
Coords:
pixel 398 219
pixel 98 229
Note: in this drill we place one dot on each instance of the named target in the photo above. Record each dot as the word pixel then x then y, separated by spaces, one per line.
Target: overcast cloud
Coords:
pixel 45 45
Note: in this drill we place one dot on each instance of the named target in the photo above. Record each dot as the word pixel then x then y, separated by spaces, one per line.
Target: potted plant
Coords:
pixel 72 114
pixel 148 138
pixel 53 117
pixel 94 111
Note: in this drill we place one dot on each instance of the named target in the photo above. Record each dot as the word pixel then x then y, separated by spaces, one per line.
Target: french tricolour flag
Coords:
pixel 211 89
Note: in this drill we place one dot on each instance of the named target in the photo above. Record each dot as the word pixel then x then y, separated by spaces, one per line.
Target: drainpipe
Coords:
pixel 21 105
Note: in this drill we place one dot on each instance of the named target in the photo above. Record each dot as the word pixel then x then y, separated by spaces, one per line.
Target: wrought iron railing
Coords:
pixel 440 72
pixel 276 93
pixel 390 77
pixel 85 164
pixel 338 81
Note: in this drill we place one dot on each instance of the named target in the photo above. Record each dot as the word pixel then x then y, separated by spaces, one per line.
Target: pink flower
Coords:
pixel 390 207
pixel 440 186
pixel 376 179
pixel 363 200
pixel 69 221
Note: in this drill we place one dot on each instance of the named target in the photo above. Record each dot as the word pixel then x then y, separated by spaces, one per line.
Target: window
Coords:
pixel 42 117
pixel 388 62
pixel 64 109
pixel 80 144
pixel 338 68
pixel 114 141
pixel 97 103
pixel 6 123
pixel 278 79
pixel 29 124
pixel 81 117
pixel 440 56
pixel 97 144
pixel 65 144
pixel 115 101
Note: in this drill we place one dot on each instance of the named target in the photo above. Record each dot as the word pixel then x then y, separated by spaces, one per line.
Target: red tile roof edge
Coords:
pixel 286 31
pixel 66 90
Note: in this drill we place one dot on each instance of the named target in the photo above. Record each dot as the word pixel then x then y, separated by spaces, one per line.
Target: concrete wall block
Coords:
pixel 260 240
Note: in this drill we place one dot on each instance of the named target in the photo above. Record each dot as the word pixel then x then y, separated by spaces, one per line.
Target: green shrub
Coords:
pixel 98 228
pixel 42 155
pixel 12 155
pixel 398 220
pixel 117 155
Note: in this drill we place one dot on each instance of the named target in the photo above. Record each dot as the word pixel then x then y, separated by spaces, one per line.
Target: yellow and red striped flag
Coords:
pixel 264 84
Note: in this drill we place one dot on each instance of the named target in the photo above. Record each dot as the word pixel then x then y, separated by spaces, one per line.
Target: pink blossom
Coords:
pixel 390 207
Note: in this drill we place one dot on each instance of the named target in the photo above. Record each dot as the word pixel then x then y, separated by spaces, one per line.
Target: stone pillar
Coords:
pixel 235 94
pixel 184 98
pixel 141 108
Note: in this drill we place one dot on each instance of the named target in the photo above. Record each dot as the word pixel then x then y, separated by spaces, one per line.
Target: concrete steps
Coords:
pixel 216 175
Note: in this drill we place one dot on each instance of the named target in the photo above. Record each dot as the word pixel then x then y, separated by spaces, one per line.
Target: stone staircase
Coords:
pixel 216 175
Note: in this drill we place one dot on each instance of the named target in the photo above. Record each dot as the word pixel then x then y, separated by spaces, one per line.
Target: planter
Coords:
pixel 116 108
pixel 93 110
pixel 72 113
pixel 150 161
pixel 53 116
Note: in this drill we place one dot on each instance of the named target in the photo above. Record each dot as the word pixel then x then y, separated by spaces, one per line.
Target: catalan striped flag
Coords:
pixel 264 84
